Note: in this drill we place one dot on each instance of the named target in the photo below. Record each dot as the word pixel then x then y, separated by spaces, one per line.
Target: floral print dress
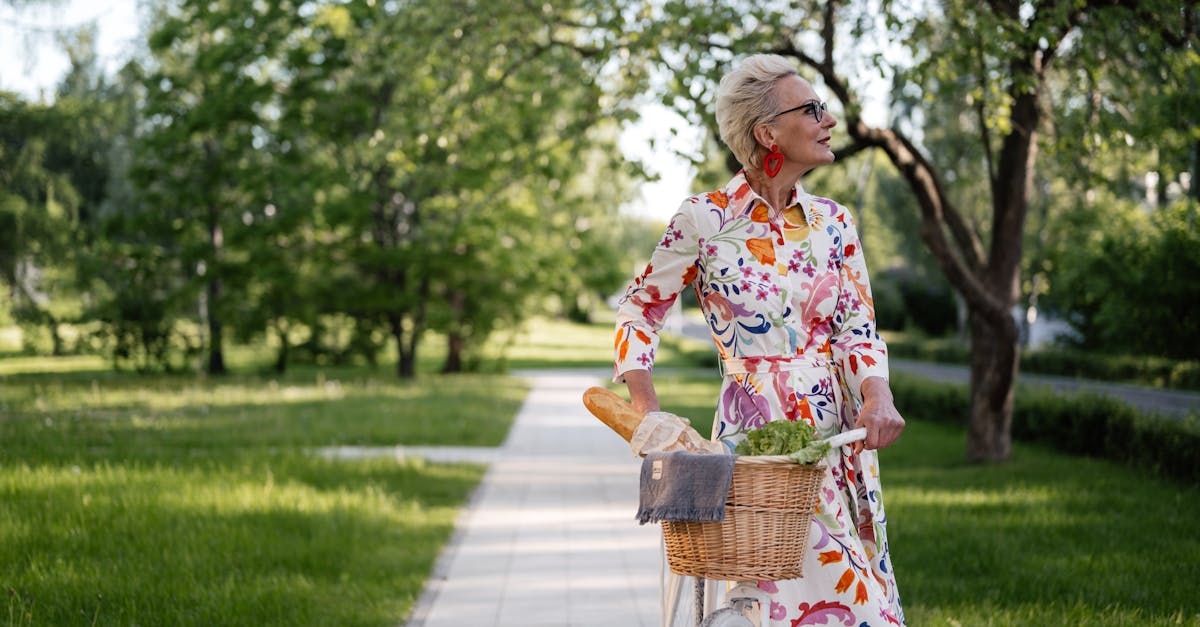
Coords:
pixel 788 302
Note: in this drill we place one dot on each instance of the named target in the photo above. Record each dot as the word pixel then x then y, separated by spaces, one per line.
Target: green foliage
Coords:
pixel 1131 288
pixel 39 213
pixel 1159 372
pixel 929 302
pixel 946 349
pixel 1145 370
pixel 409 167
pixel 1095 426
pixel 283 168
pixel 889 303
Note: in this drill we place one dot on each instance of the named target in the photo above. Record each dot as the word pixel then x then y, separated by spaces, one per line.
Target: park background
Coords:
pixel 264 228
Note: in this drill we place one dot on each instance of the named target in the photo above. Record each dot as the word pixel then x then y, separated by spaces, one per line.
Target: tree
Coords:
pixel 54 175
pixel 39 208
pixel 992 56
pixel 201 167
pixel 449 157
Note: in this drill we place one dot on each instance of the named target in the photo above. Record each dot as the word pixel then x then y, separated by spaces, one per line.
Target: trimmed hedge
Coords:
pixel 1085 424
pixel 1064 362
pixel 941 350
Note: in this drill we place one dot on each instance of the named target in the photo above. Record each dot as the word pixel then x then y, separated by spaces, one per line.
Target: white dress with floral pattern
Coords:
pixel 788 302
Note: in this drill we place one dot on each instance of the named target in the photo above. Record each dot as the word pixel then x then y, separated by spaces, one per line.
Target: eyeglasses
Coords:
pixel 815 108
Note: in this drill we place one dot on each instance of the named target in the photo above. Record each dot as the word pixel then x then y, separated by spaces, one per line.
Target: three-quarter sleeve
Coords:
pixel 857 348
pixel 640 314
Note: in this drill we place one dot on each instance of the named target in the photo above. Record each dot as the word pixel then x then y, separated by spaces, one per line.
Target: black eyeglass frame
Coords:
pixel 816 109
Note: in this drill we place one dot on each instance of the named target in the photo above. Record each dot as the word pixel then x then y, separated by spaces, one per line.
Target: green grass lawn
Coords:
pixel 185 500
pixel 551 343
pixel 189 500
pixel 1045 539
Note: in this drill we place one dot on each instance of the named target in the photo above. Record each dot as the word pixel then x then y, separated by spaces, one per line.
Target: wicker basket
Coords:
pixel 764 535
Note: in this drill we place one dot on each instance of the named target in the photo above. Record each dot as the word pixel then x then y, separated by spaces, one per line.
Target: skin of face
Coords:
pixel 803 142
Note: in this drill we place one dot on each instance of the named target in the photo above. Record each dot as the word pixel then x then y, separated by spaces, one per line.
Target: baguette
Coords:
pixel 613 411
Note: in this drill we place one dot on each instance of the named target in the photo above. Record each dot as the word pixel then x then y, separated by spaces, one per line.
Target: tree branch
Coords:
pixel 827 34
pixel 851 149
pixel 965 270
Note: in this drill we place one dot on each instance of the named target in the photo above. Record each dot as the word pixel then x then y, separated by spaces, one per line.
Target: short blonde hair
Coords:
pixel 745 99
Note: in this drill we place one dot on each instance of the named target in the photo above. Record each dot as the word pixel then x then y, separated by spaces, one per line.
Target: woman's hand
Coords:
pixel 878 414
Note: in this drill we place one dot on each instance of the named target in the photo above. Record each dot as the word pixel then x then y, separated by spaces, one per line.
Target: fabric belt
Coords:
pixel 774 363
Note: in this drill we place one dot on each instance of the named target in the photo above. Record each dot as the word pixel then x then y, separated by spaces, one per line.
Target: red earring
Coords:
pixel 773 161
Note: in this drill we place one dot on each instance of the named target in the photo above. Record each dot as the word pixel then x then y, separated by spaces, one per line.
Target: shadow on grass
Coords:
pixel 170 419
pixel 286 541
pixel 1045 538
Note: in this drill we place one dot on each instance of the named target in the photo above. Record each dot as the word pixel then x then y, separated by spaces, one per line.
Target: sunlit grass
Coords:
pixel 285 540
pixel 554 343
pixel 57 417
pixel 1044 539
pixel 68 363
pixel 193 500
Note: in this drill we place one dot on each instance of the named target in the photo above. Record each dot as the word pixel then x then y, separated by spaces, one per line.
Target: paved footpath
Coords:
pixel 549 539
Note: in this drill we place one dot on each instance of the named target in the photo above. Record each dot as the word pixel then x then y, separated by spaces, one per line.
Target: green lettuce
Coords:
pixel 797 440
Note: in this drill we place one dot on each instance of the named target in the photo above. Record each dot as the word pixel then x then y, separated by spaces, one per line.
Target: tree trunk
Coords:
pixel 281 358
pixel 454 353
pixel 455 340
pixel 216 355
pixel 216 335
pixel 406 343
pixel 406 365
pixel 56 341
pixel 994 358
pixel 406 362
pixel 216 242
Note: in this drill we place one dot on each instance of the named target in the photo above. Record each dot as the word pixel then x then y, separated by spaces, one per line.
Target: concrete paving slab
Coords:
pixel 549 537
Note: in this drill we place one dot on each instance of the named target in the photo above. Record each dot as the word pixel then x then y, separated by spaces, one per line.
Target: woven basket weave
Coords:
pixel 765 532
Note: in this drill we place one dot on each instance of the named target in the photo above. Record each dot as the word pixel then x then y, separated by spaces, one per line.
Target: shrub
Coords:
pixel 1185 375
pixel 931 307
pixel 1059 361
pixel 943 350
pixel 927 301
pixel 889 303
pixel 1134 287
pixel 932 401
pixel 1088 424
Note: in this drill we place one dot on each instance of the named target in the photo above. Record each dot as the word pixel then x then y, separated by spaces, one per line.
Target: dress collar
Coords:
pixel 743 198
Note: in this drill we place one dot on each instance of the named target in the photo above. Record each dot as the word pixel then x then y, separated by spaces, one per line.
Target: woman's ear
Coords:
pixel 764 135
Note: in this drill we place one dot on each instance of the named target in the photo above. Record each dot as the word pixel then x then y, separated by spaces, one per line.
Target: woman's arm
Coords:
pixel 641 312
pixel 641 390
pixel 860 351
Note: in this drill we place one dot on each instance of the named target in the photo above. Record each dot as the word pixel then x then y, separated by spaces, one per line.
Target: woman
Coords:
pixel 782 282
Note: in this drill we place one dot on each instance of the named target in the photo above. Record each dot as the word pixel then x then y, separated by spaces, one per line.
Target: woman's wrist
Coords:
pixel 877 389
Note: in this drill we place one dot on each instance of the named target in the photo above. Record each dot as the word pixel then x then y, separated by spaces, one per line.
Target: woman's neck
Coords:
pixel 776 191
